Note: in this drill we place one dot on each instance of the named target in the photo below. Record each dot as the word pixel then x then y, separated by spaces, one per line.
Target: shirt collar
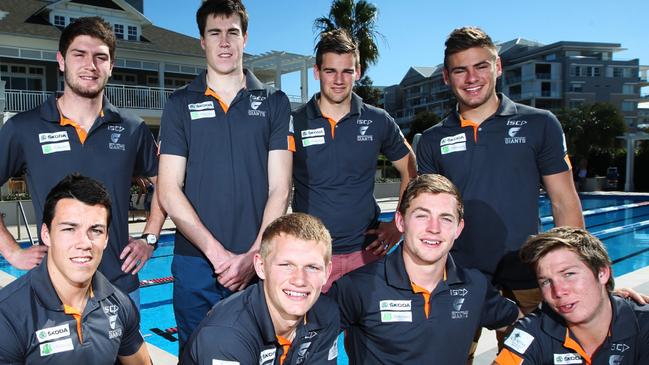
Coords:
pixel 397 276
pixel 200 82
pixel 313 108
pixel 623 321
pixel 506 107
pixel 42 285
pixel 50 112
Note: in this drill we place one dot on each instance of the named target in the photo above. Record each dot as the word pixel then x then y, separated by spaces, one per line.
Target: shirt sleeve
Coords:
pixel 394 145
pixel 11 350
pixel 426 163
pixel 552 157
pixel 132 338
pixel 343 292
pixel 219 345
pixel 146 163
pixel 326 348
pixel 281 123
pixel 12 158
pixel 173 136
pixel 497 310
pixel 521 347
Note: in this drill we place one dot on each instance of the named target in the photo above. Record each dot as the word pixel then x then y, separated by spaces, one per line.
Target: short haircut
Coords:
pixel 590 249
pixel 337 41
pixel 465 38
pixel 433 184
pixel 94 27
pixel 299 225
pixel 224 8
pixel 78 187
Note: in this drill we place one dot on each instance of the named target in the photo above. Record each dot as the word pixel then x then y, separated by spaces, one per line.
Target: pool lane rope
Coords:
pixel 158 281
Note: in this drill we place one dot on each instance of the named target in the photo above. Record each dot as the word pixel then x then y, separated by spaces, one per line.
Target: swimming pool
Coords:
pixel 622 222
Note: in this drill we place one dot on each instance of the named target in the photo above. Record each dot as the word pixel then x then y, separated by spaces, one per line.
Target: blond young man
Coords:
pixel 282 319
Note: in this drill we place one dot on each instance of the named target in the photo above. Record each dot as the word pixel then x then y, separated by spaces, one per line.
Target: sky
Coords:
pixel 413 31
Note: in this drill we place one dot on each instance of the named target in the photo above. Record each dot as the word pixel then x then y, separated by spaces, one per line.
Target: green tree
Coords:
pixel 421 122
pixel 369 93
pixel 591 133
pixel 359 18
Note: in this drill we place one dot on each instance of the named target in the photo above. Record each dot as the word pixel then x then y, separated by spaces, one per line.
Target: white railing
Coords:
pixel 137 97
pixel 21 100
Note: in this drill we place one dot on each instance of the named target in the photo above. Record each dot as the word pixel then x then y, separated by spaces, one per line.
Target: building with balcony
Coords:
pixel 150 63
pixel 555 76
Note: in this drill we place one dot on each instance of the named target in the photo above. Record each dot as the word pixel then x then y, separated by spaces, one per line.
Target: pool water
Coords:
pixel 622 222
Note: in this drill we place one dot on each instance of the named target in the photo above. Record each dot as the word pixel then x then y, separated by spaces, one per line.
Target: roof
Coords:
pixel 418 73
pixel 29 18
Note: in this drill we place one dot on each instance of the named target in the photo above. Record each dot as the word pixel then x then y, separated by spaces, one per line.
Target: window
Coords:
pixel 576 71
pixel 72 20
pixel 628 106
pixel 575 103
pixel 592 71
pixel 628 89
pixel 59 21
pixel 132 33
pixel 119 31
pixel 23 77
pixel 617 71
pixel 576 87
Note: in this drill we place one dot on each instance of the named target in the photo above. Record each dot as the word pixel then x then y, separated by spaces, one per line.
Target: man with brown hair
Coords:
pixel 580 322
pixel 283 319
pixel 416 306
pixel 334 165
pixel 225 167
pixel 64 311
pixel 497 152
pixel 80 131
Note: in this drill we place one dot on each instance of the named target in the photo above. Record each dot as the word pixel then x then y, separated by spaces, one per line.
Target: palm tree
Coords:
pixel 359 18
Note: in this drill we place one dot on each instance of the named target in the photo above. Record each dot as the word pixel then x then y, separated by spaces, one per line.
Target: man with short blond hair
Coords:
pixel 283 319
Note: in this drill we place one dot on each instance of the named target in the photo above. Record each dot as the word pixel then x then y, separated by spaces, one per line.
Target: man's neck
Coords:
pixel 480 113
pixel 592 334
pixel 70 295
pixel 335 111
pixel 424 275
pixel 81 110
pixel 226 86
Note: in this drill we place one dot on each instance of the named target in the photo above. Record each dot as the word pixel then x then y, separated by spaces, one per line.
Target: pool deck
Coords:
pixel 487 347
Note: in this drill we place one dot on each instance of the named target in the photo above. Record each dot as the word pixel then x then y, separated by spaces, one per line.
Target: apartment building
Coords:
pixel 559 75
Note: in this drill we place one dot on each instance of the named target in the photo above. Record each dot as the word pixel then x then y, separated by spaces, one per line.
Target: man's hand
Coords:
pixel 634 295
pixel 239 272
pixel 28 258
pixel 387 235
pixel 135 255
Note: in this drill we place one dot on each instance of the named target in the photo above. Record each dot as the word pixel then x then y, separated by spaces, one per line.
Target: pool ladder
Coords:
pixel 20 212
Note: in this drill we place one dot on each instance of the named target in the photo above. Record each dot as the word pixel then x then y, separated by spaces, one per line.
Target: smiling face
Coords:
pixel 86 66
pixel 337 75
pixel 471 74
pixel 571 288
pixel 293 272
pixel 223 42
pixel 77 237
pixel 430 225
